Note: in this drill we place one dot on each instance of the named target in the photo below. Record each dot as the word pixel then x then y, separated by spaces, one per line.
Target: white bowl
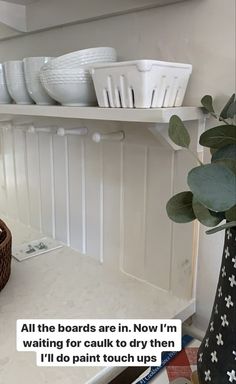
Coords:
pixel 70 87
pixel 82 57
pixel 5 98
pixel 32 66
pixel 15 79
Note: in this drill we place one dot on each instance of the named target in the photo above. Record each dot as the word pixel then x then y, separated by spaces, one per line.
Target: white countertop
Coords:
pixel 64 284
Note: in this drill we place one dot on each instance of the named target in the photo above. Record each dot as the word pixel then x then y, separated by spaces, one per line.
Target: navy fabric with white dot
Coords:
pixel 217 353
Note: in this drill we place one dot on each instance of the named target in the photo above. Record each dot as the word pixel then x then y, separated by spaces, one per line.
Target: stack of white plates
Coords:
pixel 15 79
pixel 67 79
pixel 5 98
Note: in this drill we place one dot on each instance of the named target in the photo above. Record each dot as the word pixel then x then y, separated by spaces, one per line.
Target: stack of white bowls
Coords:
pixel 5 98
pixel 15 79
pixel 67 79
pixel 32 67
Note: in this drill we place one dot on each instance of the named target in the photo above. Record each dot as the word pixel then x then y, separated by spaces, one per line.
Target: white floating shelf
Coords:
pixel 156 119
pixel 153 115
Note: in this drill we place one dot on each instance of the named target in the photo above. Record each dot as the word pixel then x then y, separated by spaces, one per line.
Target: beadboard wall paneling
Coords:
pixel 76 179
pixel 10 174
pixel 60 164
pixel 158 225
pixel 134 208
pixel 47 195
pixel 112 189
pixel 105 200
pixel 94 199
pixel 182 240
pixel 22 189
pixel 33 170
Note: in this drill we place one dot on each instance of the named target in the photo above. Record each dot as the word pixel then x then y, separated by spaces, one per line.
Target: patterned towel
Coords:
pixel 183 365
pixel 178 367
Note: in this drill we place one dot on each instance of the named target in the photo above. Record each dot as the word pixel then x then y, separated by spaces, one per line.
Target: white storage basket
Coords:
pixel 141 84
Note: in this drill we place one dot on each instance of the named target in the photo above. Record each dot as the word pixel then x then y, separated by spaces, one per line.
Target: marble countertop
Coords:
pixel 65 284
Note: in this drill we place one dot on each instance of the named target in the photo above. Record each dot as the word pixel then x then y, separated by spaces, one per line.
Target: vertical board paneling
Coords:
pixel 76 162
pixel 34 180
pixel 134 179
pixel 60 188
pixel 158 225
pixel 112 179
pixel 3 196
pixel 181 272
pixel 93 199
pixel 8 144
pixel 46 180
pixel 106 200
pixel 21 175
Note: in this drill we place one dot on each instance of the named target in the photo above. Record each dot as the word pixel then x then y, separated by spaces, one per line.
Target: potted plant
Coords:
pixel 211 199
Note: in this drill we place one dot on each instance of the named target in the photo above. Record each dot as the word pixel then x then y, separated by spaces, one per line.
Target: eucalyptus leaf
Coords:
pixel 230 215
pixel 228 163
pixel 224 113
pixel 178 133
pixel 227 152
pixel 232 110
pixel 204 215
pixel 179 207
pixel 221 227
pixel 214 185
pixel 207 103
pixel 218 137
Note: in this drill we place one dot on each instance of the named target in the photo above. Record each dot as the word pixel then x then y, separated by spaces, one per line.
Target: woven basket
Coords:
pixel 5 254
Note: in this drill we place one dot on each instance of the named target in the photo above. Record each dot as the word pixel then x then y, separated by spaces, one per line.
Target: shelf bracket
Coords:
pixel 160 131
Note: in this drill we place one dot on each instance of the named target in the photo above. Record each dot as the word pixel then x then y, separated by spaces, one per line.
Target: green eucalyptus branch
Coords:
pixel 195 156
pixel 218 117
pixel 212 196
pixel 221 227
pixel 227 112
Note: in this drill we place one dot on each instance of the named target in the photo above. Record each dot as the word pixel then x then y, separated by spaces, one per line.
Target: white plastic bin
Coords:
pixel 141 84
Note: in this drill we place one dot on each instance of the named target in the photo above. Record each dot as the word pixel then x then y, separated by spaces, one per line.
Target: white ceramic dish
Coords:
pixel 15 80
pixel 82 57
pixel 5 97
pixel 32 67
pixel 141 84
pixel 70 87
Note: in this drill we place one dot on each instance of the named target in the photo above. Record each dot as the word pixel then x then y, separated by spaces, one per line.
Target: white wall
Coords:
pixel 201 32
